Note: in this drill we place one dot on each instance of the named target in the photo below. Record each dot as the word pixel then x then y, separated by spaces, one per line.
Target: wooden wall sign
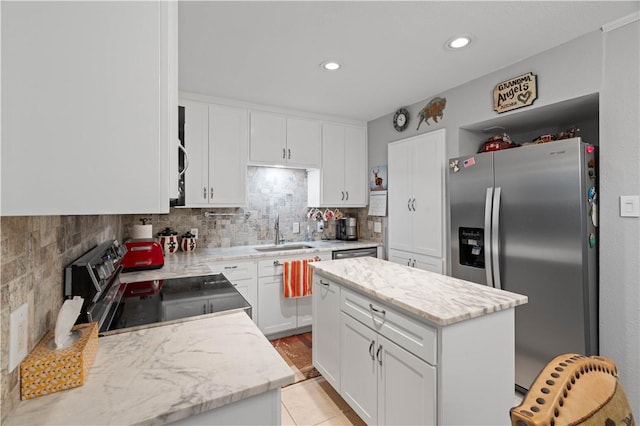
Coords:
pixel 515 93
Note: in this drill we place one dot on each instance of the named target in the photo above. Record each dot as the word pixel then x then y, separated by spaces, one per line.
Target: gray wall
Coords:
pixel 597 63
pixel 619 236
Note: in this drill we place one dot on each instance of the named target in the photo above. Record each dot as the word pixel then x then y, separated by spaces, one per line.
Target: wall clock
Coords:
pixel 401 119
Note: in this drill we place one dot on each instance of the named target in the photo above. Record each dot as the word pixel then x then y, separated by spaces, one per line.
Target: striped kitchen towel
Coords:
pixel 297 278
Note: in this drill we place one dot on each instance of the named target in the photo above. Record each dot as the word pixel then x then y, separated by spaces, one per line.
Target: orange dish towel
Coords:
pixel 298 278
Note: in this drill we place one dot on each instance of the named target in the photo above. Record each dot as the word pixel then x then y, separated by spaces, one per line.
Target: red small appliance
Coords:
pixel 142 254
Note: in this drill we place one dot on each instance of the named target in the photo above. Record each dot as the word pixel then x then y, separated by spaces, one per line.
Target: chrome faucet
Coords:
pixel 277 229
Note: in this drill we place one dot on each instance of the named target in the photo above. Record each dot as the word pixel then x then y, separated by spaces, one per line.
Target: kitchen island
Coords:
pixel 406 346
pixel 214 369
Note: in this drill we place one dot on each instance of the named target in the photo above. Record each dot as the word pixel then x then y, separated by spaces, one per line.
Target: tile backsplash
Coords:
pixel 34 252
pixel 271 192
pixel 35 249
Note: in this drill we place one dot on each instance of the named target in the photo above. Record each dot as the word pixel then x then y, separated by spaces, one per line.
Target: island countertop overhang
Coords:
pixel 438 299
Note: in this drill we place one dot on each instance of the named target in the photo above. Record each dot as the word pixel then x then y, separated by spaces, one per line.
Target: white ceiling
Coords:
pixel 269 52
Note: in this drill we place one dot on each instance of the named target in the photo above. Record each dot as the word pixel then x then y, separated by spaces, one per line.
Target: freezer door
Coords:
pixel 469 179
pixel 543 209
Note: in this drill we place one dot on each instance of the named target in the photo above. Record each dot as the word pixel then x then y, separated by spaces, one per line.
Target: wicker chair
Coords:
pixel 575 390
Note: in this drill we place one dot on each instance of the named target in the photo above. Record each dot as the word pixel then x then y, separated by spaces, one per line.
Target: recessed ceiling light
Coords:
pixel 330 66
pixel 458 41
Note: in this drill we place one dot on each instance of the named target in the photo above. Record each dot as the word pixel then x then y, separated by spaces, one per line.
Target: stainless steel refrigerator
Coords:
pixel 525 220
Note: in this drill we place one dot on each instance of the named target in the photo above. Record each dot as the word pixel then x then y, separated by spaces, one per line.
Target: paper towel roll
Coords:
pixel 141 231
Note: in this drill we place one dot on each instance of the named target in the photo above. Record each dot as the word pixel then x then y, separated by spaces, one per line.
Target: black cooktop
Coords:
pixel 158 301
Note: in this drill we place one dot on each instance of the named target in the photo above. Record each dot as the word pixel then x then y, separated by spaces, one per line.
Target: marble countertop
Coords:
pixel 438 299
pixel 184 264
pixel 163 374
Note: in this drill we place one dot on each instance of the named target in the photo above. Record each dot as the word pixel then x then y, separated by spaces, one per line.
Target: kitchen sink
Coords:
pixel 281 247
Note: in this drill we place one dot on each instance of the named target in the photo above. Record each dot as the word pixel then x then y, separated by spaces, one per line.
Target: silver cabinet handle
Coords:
pixel 289 154
pixel 409 204
pixel 326 284
pixel 379 354
pixel 413 204
pixel 409 262
pixel 342 195
pixel 204 308
pixel 231 267
pixel 347 195
pixel 374 309
pixel 212 193
pixel 283 153
pixel 204 192
pixel 413 263
pixel 371 349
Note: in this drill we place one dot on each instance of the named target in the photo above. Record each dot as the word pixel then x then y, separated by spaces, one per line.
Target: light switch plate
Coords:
pixel 296 227
pixel 194 232
pixel 630 206
pixel 18 335
pixel 377 227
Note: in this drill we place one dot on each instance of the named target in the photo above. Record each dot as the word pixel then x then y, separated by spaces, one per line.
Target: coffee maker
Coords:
pixel 347 229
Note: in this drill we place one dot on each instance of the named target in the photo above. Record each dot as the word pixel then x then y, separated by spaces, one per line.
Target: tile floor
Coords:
pixel 315 402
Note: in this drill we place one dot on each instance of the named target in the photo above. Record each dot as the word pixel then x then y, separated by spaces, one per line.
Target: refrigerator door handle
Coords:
pixel 495 238
pixel 487 236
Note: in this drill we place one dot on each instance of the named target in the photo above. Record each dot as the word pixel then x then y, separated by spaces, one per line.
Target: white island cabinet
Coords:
pixel 415 347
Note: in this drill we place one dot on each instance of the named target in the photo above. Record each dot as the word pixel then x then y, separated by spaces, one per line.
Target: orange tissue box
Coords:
pixel 47 370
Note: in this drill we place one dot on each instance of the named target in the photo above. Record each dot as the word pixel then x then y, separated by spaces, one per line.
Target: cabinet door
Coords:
pixel 304 142
pixel 428 189
pixel 400 257
pixel 406 387
pixel 358 368
pixel 333 166
pixel 267 139
pixel 275 313
pixel 227 155
pixel 84 131
pixel 428 263
pixel 355 166
pixel 326 330
pixel 184 309
pixel 400 195
pixel 196 141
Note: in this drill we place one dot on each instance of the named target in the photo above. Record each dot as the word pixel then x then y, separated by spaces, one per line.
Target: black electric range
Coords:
pixel 115 305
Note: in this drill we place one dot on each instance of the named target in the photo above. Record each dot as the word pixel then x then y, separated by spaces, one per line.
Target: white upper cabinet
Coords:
pixel 279 140
pixel 216 143
pixel 342 180
pixel 89 94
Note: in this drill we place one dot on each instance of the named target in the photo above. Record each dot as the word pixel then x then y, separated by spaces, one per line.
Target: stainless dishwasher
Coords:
pixel 360 252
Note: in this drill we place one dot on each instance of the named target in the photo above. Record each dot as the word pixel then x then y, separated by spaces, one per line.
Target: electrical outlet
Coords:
pixel 194 232
pixel 320 226
pixel 296 227
pixel 18 335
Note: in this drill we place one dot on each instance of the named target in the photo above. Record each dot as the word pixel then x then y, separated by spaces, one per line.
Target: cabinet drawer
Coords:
pixel 234 270
pixel 412 335
pixel 273 265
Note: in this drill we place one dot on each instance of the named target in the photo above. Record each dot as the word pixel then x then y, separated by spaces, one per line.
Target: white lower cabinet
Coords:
pixel 277 314
pixel 426 263
pixel 244 276
pixel 384 383
pixel 326 331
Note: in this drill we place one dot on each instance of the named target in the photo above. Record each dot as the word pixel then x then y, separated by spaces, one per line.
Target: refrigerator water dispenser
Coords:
pixel 471 247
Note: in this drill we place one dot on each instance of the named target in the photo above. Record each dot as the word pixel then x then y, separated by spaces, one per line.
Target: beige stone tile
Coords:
pixel 310 403
pixel 344 419
pixel 286 419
